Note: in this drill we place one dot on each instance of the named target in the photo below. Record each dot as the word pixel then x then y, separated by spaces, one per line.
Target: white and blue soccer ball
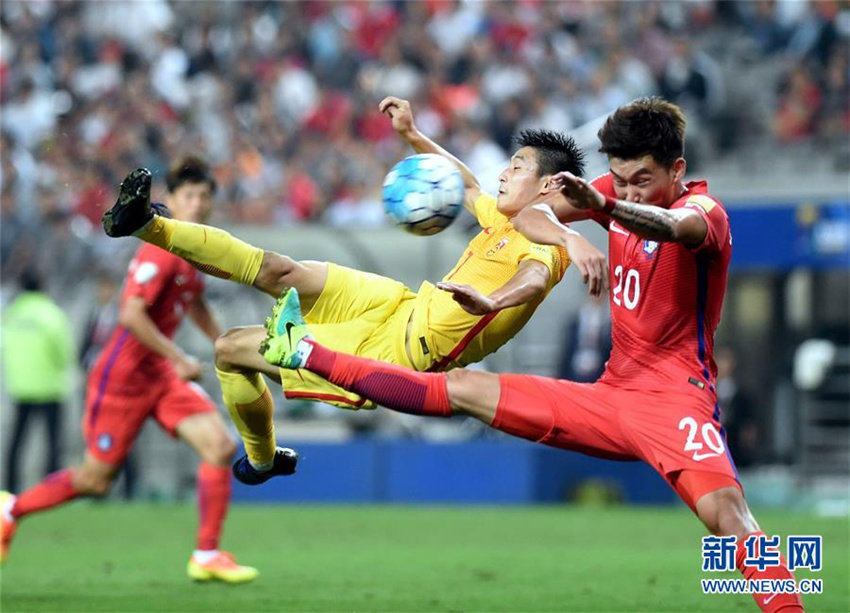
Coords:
pixel 423 193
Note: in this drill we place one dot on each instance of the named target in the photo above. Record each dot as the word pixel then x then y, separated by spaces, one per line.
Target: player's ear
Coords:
pixel 678 169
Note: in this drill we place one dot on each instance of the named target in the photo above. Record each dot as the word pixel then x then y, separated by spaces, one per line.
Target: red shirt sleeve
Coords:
pixel 605 184
pixel 716 218
pixel 149 272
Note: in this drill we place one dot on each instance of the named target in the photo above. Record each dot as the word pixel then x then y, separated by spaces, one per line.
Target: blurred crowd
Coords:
pixel 282 96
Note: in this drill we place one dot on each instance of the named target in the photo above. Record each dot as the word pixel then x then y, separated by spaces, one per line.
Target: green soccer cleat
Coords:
pixel 222 567
pixel 285 329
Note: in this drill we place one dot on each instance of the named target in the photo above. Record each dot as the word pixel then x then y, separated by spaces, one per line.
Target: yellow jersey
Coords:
pixel 443 335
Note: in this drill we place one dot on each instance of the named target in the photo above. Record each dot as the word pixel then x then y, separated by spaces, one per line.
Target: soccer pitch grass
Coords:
pixel 131 557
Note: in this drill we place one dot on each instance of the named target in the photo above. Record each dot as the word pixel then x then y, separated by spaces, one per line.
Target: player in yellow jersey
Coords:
pixel 488 296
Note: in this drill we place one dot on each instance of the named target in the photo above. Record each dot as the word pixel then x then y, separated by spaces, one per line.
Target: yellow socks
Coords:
pixel 251 407
pixel 209 249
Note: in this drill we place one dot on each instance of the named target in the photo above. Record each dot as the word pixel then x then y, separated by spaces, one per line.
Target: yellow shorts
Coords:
pixel 359 313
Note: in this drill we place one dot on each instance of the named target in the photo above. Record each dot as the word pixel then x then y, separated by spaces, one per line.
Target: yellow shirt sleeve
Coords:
pixel 555 258
pixel 486 213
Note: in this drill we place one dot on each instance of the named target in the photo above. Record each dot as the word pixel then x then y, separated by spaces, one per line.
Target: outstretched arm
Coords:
pixel 134 316
pixel 527 284
pixel 399 111
pixel 652 222
pixel 539 225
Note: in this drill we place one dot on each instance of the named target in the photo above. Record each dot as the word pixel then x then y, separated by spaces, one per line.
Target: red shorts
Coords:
pixel 672 431
pixel 113 418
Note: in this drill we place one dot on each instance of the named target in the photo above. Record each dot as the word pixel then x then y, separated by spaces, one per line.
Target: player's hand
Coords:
pixel 399 111
pixel 470 299
pixel 188 368
pixel 590 263
pixel 579 193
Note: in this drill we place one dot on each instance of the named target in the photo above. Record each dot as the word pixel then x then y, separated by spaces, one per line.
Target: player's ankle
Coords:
pixel 202 556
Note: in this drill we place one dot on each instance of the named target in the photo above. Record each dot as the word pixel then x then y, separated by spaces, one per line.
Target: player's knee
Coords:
pixel 226 349
pixel 275 273
pixel 458 383
pixel 471 392
pixel 219 450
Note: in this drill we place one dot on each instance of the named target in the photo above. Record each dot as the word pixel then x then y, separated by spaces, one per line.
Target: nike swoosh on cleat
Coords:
pixel 288 327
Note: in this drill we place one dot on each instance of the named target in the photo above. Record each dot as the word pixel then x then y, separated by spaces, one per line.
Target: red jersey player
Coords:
pixel 140 374
pixel 669 250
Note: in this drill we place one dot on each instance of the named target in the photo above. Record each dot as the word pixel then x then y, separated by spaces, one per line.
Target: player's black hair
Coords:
pixel 646 126
pixel 189 169
pixel 556 152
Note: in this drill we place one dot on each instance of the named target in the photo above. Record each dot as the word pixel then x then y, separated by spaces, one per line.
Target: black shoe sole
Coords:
pixel 133 193
pixel 285 463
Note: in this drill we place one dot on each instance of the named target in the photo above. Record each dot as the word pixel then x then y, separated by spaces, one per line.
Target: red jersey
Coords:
pixel 169 285
pixel 666 298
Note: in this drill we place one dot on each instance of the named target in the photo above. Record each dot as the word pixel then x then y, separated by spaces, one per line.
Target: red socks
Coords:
pixel 769 603
pixel 213 499
pixel 395 387
pixel 54 490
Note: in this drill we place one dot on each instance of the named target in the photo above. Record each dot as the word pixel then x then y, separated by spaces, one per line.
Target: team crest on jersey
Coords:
pixel 649 248
pixel 145 272
pixel 105 441
pixel 499 246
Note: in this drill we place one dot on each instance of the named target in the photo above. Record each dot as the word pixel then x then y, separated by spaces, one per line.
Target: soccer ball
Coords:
pixel 423 193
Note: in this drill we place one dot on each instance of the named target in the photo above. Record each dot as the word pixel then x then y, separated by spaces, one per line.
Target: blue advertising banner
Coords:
pixel 782 237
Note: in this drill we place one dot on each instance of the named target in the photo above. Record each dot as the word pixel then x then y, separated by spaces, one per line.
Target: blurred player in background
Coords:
pixel 97 332
pixel 669 250
pixel 38 356
pixel 142 374
pixel 484 300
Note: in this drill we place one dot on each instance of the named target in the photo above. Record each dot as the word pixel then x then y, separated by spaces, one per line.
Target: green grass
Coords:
pixel 116 558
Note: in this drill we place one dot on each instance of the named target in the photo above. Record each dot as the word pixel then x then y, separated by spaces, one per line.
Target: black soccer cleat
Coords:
pixel 134 208
pixel 285 461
